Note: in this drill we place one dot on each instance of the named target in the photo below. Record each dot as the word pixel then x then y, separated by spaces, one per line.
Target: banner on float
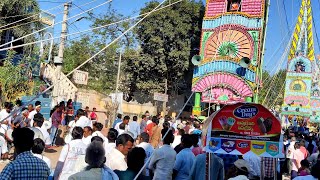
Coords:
pixel 241 128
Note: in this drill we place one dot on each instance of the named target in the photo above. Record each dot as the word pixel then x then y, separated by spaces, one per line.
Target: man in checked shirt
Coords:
pixel 268 167
pixel 26 165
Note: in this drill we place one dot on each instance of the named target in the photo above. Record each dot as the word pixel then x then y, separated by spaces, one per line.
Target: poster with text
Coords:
pixel 244 127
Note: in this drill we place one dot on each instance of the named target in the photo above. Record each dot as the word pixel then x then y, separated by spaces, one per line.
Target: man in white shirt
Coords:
pixel 163 159
pixel 125 121
pixel 134 127
pixel 35 111
pixel 38 121
pixel 97 128
pixel 112 137
pixel 184 160
pixel 290 151
pixel 4 113
pixel 66 165
pixel 115 160
pixel 87 135
pixel 82 121
pixel 144 143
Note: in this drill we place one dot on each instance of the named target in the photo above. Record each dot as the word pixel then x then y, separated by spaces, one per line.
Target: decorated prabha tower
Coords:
pixel 229 67
pixel 301 97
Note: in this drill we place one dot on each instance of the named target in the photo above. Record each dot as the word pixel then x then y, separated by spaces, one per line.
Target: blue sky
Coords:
pixel 281 21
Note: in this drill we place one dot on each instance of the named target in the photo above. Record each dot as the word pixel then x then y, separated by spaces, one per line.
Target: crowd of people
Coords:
pixel 146 147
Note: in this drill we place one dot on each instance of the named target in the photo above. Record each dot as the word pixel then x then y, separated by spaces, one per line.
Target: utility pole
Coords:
pixel 59 60
pixel 118 74
pixel 164 103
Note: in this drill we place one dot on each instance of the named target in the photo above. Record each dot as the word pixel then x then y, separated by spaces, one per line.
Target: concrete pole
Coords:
pixel 164 103
pixel 118 74
pixel 60 53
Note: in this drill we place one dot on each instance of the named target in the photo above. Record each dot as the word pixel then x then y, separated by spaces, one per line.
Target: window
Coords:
pixel 234 5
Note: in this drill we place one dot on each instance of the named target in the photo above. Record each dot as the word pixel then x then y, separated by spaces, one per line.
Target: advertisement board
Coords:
pixel 160 97
pixel 80 77
pixel 241 128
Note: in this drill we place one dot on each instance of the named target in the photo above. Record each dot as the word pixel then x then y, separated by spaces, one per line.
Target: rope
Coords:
pixel 88 30
pixel 55 24
pixel 282 59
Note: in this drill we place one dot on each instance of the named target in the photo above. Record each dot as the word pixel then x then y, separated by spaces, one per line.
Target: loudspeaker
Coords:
pixel 196 60
pixel 245 62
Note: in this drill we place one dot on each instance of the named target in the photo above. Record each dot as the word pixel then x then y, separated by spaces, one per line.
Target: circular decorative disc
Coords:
pixel 229 41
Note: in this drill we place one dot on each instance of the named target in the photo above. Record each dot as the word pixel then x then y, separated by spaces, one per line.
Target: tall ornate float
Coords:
pixel 228 68
pixel 301 97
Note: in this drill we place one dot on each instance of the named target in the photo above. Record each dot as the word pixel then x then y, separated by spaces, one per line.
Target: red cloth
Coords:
pixel 149 129
pixel 93 116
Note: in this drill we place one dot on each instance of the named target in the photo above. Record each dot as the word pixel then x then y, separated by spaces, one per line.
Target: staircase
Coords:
pixel 63 90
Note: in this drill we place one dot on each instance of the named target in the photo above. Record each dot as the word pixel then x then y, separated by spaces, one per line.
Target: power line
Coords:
pixel 91 15
pixel 36 14
pixel 286 17
pixel 89 30
pixel 54 24
pixel 51 1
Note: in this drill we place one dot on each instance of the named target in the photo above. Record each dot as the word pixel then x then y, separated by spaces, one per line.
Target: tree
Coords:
pixel 17 64
pixel 273 86
pixel 168 39
pixel 15 79
pixel 102 69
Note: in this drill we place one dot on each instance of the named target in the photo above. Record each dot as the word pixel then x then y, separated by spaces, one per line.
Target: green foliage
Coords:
pixel 102 69
pixel 272 91
pixel 15 79
pixel 167 39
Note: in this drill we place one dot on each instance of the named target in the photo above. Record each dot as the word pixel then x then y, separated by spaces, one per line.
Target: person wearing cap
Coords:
pixel 22 119
pixel 239 170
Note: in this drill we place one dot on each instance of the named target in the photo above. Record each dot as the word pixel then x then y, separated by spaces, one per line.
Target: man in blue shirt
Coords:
pixel 116 121
pixel 25 165
pixel 184 160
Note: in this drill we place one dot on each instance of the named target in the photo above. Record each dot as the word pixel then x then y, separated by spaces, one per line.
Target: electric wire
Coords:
pixel 286 17
pixel 54 24
pixel 19 15
pixel 88 30
pixel 61 12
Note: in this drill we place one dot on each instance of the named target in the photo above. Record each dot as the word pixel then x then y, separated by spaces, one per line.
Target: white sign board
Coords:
pixel 117 99
pixel 160 97
pixel 80 77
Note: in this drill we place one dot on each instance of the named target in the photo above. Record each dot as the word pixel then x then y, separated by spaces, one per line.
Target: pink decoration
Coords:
pixel 215 7
pixel 252 7
pixel 224 82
